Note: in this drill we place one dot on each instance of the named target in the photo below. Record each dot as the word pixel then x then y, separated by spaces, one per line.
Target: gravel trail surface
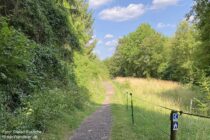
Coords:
pixel 98 125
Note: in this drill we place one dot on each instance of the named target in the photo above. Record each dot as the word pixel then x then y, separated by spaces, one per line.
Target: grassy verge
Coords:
pixel 152 122
pixel 61 129
pixel 90 75
pixel 64 125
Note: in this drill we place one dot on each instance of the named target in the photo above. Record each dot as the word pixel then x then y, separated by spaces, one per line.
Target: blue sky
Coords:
pixel 116 18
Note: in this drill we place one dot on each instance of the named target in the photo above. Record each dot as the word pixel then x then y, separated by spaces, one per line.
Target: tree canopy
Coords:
pixel 147 53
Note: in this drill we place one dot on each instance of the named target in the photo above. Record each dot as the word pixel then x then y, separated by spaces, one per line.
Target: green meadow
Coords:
pixel 152 122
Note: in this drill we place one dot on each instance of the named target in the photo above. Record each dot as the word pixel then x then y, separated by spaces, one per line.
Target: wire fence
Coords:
pixel 171 109
pixel 187 129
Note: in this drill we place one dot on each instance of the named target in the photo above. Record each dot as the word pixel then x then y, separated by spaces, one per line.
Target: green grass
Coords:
pixel 63 128
pixel 90 75
pixel 152 122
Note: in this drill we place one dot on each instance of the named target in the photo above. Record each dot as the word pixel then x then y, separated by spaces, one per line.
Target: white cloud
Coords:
pixel 191 18
pixel 120 14
pixel 97 52
pixel 99 42
pixel 112 43
pixel 91 41
pixel 108 36
pixel 163 25
pixel 98 3
pixel 158 4
pixel 93 37
pixel 112 49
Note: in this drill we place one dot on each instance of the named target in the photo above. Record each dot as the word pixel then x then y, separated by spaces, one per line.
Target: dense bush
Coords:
pixel 42 21
pixel 39 80
pixel 16 65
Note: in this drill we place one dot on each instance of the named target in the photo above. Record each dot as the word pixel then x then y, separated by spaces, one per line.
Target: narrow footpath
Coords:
pixel 98 125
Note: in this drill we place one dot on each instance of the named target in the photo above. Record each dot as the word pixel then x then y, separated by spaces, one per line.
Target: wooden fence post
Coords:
pixel 132 114
pixel 174 124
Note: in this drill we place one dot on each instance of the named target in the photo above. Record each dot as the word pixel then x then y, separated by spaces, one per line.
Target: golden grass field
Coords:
pixel 151 121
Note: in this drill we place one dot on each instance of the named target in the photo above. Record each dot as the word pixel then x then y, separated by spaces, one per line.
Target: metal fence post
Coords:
pixel 132 114
pixel 174 124
pixel 191 103
pixel 127 100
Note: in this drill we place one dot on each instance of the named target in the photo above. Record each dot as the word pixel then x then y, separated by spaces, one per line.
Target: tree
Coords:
pixel 183 48
pixel 201 13
pixel 140 53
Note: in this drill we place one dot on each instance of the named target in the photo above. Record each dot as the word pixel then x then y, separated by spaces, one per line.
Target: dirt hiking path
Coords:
pixel 98 125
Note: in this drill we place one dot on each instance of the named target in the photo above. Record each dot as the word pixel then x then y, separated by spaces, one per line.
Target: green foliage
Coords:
pixel 203 100
pixel 140 53
pixel 182 54
pixel 16 63
pixel 183 57
pixel 90 68
pixel 201 12
pixel 43 21
pixel 41 81
pixel 149 118
pixel 146 53
pixel 51 105
pixel 90 73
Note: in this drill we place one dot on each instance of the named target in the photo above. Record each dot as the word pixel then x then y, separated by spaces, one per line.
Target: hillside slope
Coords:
pixel 47 69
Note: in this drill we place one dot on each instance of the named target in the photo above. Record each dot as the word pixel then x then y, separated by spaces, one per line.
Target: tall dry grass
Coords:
pixel 151 121
pixel 165 93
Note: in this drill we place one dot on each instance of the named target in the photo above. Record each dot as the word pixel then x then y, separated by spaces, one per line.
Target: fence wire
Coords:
pixel 153 123
pixel 189 128
pixel 171 109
